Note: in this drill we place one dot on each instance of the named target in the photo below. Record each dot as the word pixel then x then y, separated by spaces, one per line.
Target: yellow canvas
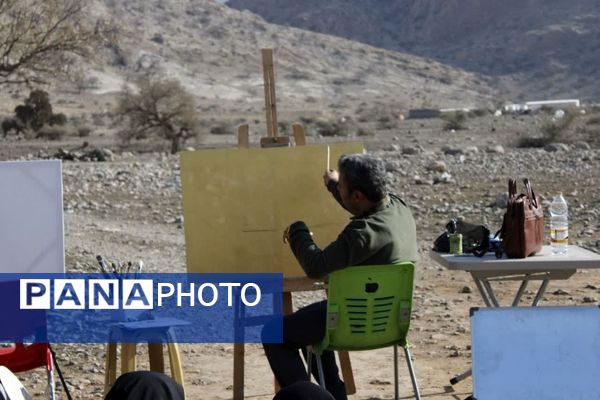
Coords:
pixel 237 202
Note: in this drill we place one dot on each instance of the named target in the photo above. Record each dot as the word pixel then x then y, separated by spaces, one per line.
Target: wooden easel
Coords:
pixel 290 285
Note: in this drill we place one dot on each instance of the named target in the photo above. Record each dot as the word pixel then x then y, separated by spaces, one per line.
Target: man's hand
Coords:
pixel 330 175
pixel 286 235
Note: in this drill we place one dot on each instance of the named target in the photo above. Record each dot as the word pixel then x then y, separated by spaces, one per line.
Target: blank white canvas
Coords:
pixel 536 353
pixel 31 217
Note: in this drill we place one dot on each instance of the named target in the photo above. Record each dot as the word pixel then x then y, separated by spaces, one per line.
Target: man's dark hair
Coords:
pixel 366 174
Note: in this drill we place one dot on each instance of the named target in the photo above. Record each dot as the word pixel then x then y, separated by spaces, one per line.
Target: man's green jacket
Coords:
pixel 385 235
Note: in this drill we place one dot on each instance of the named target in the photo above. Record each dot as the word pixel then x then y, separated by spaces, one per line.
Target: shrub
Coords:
pixel 84 131
pixel 479 112
pixel 386 122
pixel 593 121
pixel 50 132
pixel 12 124
pixel 556 128
pixel 332 128
pixel 532 142
pixel 36 112
pixel 446 80
pixel 552 131
pixel 158 38
pixel 161 107
pixel 455 121
pixel 39 101
pixel 297 75
pixel 307 120
pixel 594 135
pixel 221 129
pixel 98 119
pixel 58 119
pixel 24 113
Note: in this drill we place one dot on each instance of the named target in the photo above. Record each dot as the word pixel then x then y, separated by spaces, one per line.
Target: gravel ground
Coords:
pixel 130 207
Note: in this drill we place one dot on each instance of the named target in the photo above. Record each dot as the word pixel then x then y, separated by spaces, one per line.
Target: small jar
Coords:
pixel 455 243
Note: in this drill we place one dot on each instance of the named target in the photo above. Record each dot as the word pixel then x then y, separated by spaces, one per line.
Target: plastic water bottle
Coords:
pixel 559 225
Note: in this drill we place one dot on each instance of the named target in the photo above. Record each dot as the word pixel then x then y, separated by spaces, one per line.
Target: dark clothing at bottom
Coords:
pixel 303 390
pixel 300 329
pixel 145 385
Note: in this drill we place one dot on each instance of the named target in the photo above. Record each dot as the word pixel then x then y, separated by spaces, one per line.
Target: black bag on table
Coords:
pixel 475 238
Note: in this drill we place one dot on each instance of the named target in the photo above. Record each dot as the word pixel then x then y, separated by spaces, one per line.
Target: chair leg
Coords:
pixel 128 357
pixel 175 362
pixel 156 356
pixel 321 374
pixel 309 355
pixel 110 371
pixel 50 371
pixel 51 385
pixel 411 370
pixel 396 390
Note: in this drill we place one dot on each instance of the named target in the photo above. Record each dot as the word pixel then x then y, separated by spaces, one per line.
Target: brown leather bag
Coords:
pixel 523 225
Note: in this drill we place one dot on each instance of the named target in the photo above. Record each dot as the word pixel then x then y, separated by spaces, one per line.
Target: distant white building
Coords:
pixel 534 105
pixel 515 108
pixel 451 110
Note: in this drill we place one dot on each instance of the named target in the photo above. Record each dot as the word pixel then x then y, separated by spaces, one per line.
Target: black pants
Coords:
pixel 304 327
pixel 303 390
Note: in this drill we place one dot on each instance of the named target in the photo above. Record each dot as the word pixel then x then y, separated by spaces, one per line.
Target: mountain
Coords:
pixel 527 48
pixel 214 51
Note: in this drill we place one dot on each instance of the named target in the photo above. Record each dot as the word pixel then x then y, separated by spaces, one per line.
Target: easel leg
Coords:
pixel 157 361
pixel 238 371
pixel 175 363
pixel 299 136
pixel 243 136
pixel 288 308
pixel 110 374
pixel 347 374
pixel 128 357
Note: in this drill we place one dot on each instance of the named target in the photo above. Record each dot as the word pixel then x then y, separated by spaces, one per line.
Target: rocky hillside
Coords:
pixel 529 48
pixel 215 51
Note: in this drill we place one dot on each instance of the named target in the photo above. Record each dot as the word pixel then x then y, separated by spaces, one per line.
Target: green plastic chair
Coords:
pixel 369 307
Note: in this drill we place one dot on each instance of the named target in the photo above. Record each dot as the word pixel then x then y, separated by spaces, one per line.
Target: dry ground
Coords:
pixel 129 208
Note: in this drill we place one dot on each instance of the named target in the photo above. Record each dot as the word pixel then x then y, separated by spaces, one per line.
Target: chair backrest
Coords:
pixel 368 307
pixel 20 357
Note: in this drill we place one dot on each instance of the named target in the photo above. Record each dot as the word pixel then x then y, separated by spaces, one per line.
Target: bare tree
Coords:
pixel 37 36
pixel 160 107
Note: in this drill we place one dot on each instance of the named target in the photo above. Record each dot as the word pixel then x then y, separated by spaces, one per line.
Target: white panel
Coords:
pixel 31 217
pixel 536 353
